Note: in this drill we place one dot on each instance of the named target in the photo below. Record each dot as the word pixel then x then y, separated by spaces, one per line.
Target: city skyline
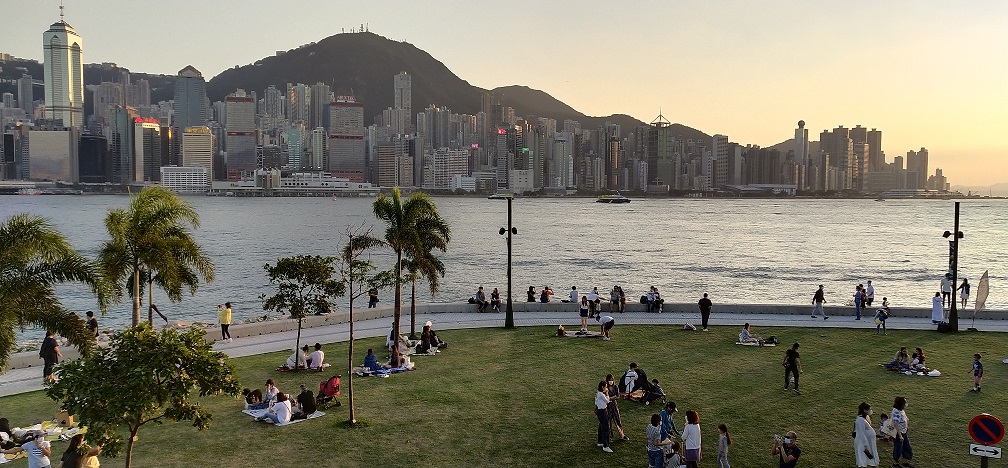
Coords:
pixel 922 73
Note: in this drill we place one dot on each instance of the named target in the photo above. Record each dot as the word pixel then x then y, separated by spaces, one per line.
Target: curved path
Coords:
pixel 29 379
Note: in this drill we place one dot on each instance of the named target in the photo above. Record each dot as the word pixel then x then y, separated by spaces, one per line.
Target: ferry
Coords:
pixel 29 191
pixel 500 196
pixel 617 198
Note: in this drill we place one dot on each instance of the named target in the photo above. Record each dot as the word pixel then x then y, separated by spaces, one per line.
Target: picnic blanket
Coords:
pixel 383 372
pixel 259 413
pixel 751 343
pixel 579 334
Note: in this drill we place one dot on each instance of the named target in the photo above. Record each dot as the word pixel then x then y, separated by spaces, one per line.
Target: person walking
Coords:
pixel 937 309
pixel 818 299
pixel 601 411
pixel 372 298
pixel 705 308
pixel 92 323
pixel 724 440
pixel 792 367
pixel 865 445
pixel 977 373
pixel 901 445
pixel 964 291
pixel 50 354
pixel 224 318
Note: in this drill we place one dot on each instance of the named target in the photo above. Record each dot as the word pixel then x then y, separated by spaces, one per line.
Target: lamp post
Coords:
pixel 954 267
pixel 511 230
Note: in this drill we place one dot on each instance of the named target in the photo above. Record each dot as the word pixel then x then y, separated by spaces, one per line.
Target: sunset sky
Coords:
pixel 926 73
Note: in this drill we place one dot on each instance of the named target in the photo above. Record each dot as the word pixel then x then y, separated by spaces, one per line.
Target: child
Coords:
pixel 655 454
pixel 881 315
pixel 674 459
pixel 885 428
pixel 977 373
pixel 724 440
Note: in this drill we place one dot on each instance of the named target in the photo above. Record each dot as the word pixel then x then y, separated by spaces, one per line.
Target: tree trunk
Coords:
pixel 150 303
pixel 129 444
pixel 136 296
pixel 350 366
pixel 398 301
pixel 412 312
pixel 297 348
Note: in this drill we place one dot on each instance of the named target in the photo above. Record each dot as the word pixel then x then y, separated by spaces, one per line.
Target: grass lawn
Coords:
pixel 525 398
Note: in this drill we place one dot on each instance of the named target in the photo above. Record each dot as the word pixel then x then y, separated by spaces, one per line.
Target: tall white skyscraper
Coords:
pixel 64 74
pixel 403 92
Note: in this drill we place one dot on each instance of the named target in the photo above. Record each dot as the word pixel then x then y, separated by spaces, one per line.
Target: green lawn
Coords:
pixel 525 398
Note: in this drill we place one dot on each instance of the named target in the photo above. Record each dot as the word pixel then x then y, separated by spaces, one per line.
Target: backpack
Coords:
pixel 622 383
pixel 643 299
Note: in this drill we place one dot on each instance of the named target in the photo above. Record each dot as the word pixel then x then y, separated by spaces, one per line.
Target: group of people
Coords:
pixel 892 428
pixel 280 408
pixel 305 358
pixel 37 448
pixel 942 299
pixel 904 362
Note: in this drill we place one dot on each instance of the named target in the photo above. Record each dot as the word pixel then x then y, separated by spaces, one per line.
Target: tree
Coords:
pixel 143 376
pixel 356 275
pixel 411 228
pixel 426 266
pixel 305 286
pixel 150 239
pixel 34 257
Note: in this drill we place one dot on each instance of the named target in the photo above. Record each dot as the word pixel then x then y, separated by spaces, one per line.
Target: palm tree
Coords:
pixel 34 257
pixel 412 229
pixel 426 266
pixel 150 239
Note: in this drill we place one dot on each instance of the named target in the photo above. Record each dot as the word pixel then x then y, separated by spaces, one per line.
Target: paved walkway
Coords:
pixel 28 380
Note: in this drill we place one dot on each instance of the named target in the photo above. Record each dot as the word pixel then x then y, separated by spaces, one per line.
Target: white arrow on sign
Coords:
pixel 985 451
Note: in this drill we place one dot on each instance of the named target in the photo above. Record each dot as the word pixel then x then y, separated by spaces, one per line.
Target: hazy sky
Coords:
pixel 926 73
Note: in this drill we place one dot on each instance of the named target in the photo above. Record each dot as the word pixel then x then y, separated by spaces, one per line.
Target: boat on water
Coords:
pixel 29 191
pixel 500 196
pixel 617 198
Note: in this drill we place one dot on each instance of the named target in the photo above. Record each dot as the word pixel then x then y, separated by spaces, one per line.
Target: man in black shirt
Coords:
pixel 92 324
pixel 792 366
pixel 306 403
pixel 705 308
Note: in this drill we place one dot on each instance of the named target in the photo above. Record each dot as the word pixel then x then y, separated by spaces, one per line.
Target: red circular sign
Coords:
pixel 986 429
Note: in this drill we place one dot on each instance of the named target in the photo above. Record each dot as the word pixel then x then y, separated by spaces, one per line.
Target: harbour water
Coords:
pixel 737 250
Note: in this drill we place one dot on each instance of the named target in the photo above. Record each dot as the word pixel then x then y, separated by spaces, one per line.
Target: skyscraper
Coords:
pixel 26 95
pixel 346 138
pixel 64 74
pixel 197 149
pixel 189 105
pixel 241 137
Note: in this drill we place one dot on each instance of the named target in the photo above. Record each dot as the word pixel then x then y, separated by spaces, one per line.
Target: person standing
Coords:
pixel 372 298
pixel 964 291
pixel 865 445
pixel 858 302
pixel 601 411
pixel 92 324
pixel 615 421
pixel 818 300
pixel 668 427
pixel 901 445
pixel 224 317
pixel 691 439
pixel 50 354
pixel 881 315
pixel 622 299
pixel 705 308
pixel 655 442
pixel 977 373
pixel 786 449
pixel 593 303
pixel 869 293
pixel 792 366
pixel 584 315
pixel 724 440
pixel 946 289
pixel 937 309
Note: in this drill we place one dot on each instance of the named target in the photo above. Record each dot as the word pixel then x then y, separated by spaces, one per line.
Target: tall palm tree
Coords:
pixel 412 229
pixel 426 266
pixel 151 239
pixel 34 257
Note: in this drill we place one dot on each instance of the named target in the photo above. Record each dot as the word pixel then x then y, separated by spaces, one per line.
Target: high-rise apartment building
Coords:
pixel 64 74
pixel 146 150
pixel 917 162
pixel 876 159
pixel 298 103
pixel 320 97
pixel 317 149
pixel 241 139
pixel 395 165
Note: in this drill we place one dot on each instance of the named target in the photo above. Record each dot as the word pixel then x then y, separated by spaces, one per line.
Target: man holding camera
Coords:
pixel 786 449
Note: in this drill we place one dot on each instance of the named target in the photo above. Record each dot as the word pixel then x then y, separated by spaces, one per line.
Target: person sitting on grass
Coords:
pixel 746 336
pixel 901 361
pixel 917 361
pixel 252 397
pixel 429 341
pixel 371 361
pixel 280 412
pixel 299 358
pixel 886 431
pixel 304 404
pixel 268 398
pixel 634 384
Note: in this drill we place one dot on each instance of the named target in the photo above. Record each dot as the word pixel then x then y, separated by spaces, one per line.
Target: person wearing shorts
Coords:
pixel 584 314
pixel 606 323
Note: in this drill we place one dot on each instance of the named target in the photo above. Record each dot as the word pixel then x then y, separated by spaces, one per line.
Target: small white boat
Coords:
pixel 29 191
pixel 500 196
pixel 617 198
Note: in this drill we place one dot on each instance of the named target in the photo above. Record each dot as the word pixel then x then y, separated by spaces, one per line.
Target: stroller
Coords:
pixel 328 391
pixel 653 392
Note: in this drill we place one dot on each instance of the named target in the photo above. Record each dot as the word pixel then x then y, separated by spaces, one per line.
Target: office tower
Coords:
pixel 121 143
pixel 719 151
pixel 658 153
pixel 146 150
pixel 8 100
pixel 801 150
pixel 189 106
pixel 53 152
pixel 295 147
pixel 197 149
pixel 64 74
pixel 26 95
pixel 917 162
pixel 94 161
pixel 504 156
pixel 320 97
pixel 104 98
pixel 317 149
pixel 561 173
pixel 395 166
pixel 876 158
pixel 403 92
pixel 241 139
pixel 346 139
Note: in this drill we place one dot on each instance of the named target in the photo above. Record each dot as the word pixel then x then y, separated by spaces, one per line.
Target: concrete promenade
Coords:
pixel 281 335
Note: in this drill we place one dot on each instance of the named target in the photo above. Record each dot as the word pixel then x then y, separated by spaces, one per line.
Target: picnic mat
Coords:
pixel 260 413
pixel 383 372
pixel 765 345
pixel 589 334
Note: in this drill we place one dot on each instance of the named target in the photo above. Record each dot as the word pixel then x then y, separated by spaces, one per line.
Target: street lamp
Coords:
pixel 954 269
pixel 510 231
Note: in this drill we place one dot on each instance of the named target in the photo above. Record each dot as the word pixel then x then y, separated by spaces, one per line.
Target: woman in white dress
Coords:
pixel 937 309
pixel 865 447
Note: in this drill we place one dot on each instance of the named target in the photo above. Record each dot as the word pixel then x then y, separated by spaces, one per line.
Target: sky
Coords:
pixel 928 74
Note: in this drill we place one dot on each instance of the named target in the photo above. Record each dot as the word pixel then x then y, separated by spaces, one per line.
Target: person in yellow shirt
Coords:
pixel 224 317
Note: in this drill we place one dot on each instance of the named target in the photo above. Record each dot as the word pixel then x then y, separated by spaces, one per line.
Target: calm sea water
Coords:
pixel 739 251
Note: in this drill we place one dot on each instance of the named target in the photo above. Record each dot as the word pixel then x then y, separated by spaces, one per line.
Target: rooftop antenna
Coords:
pixel 61 10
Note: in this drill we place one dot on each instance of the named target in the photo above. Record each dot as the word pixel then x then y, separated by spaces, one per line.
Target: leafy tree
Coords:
pixel 357 275
pixel 150 239
pixel 305 286
pixel 412 228
pixel 143 376
pixel 34 257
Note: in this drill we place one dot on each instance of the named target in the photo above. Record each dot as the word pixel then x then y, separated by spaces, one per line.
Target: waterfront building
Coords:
pixel 917 162
pixel 394 164
pixel 189 107
pixel 317 149
pixel 52 152
pixel 241 139
pixel 184 179
pixel 197 149
pixel 63 50
pixel 295 146
pixel 346 153
pixel 94 160
pixel 146 150
pixel 442 166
